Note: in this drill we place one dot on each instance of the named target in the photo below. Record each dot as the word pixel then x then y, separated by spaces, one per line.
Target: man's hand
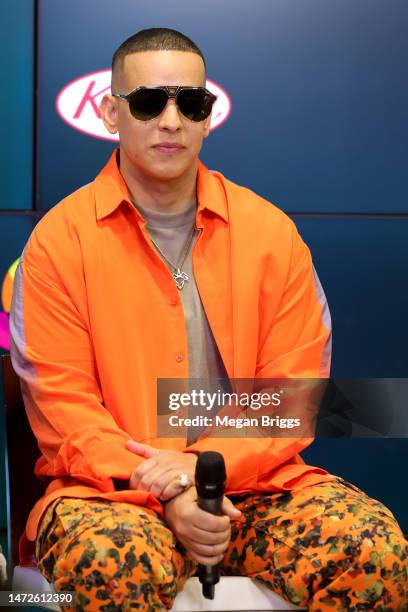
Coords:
pixel 204 536
pixel 160 471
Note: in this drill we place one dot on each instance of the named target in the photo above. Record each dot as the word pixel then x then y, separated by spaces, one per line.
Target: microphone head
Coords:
pixel 210 473
pixel 210 467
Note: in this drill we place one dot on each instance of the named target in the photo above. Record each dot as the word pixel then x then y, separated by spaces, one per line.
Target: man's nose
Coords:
pixel 170 117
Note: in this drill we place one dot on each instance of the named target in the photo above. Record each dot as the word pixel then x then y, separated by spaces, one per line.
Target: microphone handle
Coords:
pixel 209 575
pixel 213 506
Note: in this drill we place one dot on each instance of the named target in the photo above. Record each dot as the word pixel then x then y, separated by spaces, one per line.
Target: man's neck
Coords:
pixel 174 195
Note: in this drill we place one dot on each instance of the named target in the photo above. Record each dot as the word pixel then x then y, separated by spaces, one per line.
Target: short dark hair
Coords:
pixel 156 39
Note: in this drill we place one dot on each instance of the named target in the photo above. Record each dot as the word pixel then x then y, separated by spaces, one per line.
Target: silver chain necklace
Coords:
pixel 179 276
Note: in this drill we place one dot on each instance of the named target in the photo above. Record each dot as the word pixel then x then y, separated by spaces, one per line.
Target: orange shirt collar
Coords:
pixel 111 190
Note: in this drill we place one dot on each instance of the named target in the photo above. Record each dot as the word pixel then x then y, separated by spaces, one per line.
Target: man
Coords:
pixel 162 269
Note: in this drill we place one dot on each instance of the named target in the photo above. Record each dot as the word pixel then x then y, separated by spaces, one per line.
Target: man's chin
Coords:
pixel 170 172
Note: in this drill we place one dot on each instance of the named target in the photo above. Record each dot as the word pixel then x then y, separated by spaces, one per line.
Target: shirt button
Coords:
pixel 173 301
pixel 179 358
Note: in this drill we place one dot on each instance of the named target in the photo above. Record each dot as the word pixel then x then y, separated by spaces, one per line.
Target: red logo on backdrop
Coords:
pixel 78 104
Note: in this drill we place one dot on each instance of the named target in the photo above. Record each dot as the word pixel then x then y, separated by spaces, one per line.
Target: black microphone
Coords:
pixel 210 477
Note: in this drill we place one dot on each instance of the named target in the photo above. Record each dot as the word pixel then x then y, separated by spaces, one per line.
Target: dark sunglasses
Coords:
pixel 146 103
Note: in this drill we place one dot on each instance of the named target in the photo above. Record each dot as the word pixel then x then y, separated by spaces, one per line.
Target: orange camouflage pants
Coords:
pixel 324 547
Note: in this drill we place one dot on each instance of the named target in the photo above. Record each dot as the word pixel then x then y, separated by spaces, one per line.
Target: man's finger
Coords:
pixel 141 470
pixel 209 522
pixel 199 536
pixel 172 489
pixel 210 550
pixel 229 509
pixel 143 450
pixel 157 480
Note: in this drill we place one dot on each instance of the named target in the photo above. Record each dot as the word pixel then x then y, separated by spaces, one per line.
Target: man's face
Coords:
pixel 139 139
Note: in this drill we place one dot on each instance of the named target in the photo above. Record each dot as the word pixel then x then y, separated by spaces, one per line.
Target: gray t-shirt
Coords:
pixel 171 232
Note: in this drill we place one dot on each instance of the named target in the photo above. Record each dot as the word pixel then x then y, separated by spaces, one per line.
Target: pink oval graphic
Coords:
pixel 77 104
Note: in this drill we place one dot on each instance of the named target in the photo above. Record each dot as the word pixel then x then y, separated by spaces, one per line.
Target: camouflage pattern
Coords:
pixel 324 547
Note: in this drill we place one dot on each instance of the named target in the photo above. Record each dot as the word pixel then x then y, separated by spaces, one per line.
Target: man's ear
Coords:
pixel 109 111
pixel 207 124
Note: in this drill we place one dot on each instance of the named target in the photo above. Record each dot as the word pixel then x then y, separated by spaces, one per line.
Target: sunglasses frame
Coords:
pixel 172 91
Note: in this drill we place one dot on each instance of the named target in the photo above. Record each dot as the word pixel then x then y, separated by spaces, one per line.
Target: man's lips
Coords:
pixel 168 147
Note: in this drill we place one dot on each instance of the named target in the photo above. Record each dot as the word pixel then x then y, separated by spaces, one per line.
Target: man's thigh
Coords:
pixel 111 554
pixel 326 546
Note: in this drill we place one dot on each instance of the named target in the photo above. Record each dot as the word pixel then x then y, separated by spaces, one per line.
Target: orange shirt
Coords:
pixel 96 319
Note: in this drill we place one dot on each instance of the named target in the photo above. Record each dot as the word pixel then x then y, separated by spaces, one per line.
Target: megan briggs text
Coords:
pixel 238 423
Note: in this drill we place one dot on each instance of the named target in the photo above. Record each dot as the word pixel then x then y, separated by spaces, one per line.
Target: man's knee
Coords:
pixel 106 567
pixel 369 569
pixel 382 565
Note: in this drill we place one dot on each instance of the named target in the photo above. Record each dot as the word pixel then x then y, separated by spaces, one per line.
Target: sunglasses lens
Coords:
pixel 146 104
pixel 195 104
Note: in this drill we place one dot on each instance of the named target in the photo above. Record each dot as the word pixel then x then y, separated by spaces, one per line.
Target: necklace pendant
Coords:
pixel 180 278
